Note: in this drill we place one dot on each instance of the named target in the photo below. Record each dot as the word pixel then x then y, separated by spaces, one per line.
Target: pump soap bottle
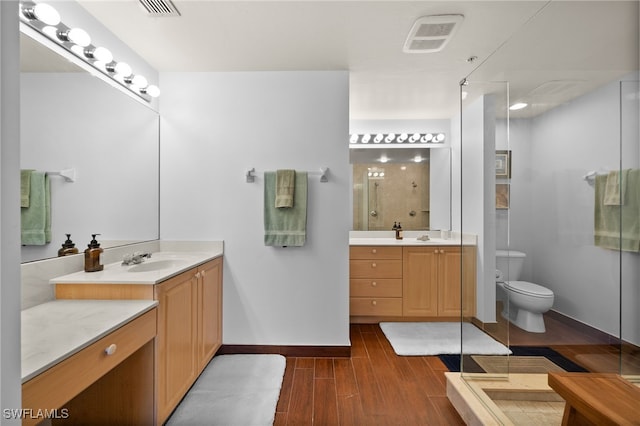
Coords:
pixel 92 256
pixel 67 247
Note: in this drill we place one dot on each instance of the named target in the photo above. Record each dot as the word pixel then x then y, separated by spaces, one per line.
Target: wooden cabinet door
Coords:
pixel 456 285
pixel 209 310
pixel 175 341
pixel 420 281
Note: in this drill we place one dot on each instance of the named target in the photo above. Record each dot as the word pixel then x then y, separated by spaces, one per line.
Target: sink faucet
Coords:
pixel 135 258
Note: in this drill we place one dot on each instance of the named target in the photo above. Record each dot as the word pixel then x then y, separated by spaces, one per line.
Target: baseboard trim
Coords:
pixel 294 351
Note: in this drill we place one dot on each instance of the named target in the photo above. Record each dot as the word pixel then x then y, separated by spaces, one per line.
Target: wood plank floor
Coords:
pixel 372 387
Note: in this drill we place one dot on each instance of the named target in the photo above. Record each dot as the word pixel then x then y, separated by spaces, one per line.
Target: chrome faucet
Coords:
pixel 135 258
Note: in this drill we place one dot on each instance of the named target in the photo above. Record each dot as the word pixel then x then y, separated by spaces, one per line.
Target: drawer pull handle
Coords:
pixel 111 349
pixel 374 283
pixel 373 265
pixel 374 303
pixel 374 251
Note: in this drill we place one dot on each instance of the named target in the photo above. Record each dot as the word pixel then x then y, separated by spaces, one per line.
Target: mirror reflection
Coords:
pixel 387 193
pixel 414 188
pixel 71 120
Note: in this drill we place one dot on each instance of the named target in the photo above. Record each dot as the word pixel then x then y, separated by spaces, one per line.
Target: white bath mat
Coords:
pixel 240 390
pixel 439 338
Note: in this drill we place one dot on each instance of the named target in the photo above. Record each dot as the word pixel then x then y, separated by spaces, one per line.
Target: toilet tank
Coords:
pixel 510 263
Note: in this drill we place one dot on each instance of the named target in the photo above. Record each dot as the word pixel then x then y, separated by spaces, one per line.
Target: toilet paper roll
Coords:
pixel 499 276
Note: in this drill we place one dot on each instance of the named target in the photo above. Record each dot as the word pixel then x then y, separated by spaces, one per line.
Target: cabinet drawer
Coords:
pixel 382 268
pixel 367 287
pixel 382 306
pixel 62 382
pixel 375 252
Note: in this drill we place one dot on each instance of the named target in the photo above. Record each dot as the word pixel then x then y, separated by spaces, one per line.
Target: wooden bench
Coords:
pixel 597 399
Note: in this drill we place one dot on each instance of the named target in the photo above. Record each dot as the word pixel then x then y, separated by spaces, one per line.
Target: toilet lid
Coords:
pixel 526 287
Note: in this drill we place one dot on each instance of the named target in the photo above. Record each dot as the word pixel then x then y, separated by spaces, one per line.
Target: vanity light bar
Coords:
pixel 44 19
pixel 396 138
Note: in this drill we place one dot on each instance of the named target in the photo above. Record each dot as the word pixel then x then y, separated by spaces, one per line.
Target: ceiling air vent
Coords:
pixel 431 33
pixel 157 8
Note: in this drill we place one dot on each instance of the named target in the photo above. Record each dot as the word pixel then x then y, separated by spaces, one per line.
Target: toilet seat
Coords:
pixel 528 289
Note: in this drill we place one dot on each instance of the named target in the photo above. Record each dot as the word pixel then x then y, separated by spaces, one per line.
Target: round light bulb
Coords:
pixel 414 138
pixel 390 137
pixel 43 13
pixel 427 138
pixel 139 81
pixel 365 138
pixel 122 69
pixel 153 91
pixel 353 138
pixel 402 138
pixel 100 54
pixel 439 137
pixel 79 36
pixel 378 138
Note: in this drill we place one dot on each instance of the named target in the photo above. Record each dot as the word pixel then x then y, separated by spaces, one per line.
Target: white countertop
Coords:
pixel 170 263
pixel 387 238
pixel 53 331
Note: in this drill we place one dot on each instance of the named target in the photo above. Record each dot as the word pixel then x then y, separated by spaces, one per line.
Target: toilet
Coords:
pixel 523 302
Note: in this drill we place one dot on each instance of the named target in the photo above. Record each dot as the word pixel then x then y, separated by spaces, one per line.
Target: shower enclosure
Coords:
pixel 558 180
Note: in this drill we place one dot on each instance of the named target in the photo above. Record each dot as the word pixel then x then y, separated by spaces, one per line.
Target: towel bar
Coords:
pixel 69 175
pixel 324 171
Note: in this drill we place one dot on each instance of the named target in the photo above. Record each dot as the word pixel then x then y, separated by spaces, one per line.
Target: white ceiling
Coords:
pixel 591 41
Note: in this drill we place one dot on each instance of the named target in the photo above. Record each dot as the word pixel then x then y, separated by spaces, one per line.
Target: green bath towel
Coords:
pixel 618 227
pixel 285 188
pixel 36 219
pixel 288 226
pixel 25 187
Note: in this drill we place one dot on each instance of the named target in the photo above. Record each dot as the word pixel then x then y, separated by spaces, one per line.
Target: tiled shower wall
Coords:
pixel 379 202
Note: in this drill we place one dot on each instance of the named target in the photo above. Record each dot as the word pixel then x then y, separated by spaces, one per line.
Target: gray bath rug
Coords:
pixel 436 338
pixel 234 390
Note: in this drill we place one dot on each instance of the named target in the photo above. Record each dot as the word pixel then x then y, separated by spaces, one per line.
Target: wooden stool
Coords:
pixel 597 399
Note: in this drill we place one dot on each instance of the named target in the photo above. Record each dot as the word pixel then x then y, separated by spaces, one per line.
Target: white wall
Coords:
pixel 565 144
pixel 10 377
pixel 215 127
pixel 473 172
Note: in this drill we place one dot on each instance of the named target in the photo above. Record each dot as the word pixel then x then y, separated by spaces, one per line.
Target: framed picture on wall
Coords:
pixel 502 196
pixel 503 164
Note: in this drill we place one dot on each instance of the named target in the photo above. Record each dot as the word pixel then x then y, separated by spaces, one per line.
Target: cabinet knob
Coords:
pixel 374 251
pixel 373 265
pixel 373 283
pixel 111 349
pixel 436 251
pixel 441 251
pixel 198 275
pixel 203 273
pixel 374 303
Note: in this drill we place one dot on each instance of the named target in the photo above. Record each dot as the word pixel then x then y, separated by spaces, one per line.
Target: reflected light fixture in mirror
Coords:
pixel 44 19
pixel 425 138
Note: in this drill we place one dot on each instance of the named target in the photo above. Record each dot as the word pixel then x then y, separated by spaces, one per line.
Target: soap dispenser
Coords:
pixel 68 247
pixel 92 256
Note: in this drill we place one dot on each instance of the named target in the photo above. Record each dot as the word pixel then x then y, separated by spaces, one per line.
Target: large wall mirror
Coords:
pixel 72 120
pixel 411 186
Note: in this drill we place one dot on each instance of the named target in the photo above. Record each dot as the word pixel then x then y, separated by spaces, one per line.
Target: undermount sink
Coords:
pixel 154 265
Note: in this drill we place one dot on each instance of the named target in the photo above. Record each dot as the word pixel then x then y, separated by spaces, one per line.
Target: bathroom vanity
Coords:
pixel 411 279
pixel 187 287
pixel 109 342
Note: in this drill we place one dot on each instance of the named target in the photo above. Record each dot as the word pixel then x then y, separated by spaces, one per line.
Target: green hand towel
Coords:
pixel 285 188
pixel 618 227
pixel 36 219
pixel 25 187
pixel 285 227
